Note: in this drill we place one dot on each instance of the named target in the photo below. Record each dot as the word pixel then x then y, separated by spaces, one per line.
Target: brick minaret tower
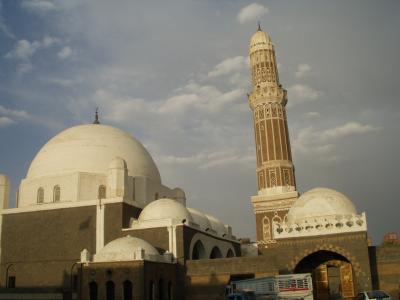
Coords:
pixel 275 170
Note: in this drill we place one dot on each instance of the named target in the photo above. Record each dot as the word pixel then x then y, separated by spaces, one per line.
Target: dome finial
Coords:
pixel 96 117
pixel 259 26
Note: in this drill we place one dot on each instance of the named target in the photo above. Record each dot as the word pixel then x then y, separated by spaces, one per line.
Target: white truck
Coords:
pixel 279 287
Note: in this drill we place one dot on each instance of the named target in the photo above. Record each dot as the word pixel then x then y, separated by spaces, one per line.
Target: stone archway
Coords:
pixel 332 274
pixel 198 251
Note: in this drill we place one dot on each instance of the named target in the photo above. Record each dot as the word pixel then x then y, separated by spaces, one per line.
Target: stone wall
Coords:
pixel 352 246
pixel 117 272
pixel 207 279
pixel 158 236
pixel 385 265
pixel 43 245
pixel 142 274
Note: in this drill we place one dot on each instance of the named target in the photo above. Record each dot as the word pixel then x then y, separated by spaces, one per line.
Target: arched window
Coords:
pixel 93 290
pixel 56 193
pixel 40 195
pixel 101 192
pixel 170 290
pixel 230 253
pixel 215 253
pixel 127 290
pixel 160 289
pixel 266 228
pixel 110 290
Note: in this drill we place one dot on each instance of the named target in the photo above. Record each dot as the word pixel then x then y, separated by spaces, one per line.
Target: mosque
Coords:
pixel 93 220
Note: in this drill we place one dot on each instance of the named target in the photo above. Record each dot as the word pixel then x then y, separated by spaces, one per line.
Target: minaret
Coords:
pixel 275 170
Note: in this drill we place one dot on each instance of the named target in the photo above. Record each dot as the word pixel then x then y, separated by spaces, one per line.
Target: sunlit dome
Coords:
pixel 199 218
pixel 123 249
pixel 320 202
pixel 165 209
pixel 217 225
pixel 90 148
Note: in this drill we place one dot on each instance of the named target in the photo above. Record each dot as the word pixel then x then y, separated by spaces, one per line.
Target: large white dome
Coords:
pixel 91 148
pixel 199 218
pixel 165 209
pixel 216 225
pixel 320 202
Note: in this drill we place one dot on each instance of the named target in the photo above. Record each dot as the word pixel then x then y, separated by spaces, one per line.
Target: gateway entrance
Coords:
pixel 332 275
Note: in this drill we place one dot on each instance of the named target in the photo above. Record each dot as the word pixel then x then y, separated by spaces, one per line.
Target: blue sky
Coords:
pixel 174 74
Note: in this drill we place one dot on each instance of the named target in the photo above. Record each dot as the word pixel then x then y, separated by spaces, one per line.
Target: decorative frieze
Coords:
pixel 323 225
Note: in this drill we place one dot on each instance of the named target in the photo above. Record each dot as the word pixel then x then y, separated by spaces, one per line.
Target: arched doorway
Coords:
pixel 332 274
pixel 198 251
pixel 215 253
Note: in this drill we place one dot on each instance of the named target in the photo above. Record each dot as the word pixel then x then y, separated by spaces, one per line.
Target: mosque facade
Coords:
pixel 93 220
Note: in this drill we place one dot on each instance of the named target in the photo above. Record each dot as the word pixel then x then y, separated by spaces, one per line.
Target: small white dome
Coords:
pixel 165 209
pixel 217 225
pixel 320 202
pixel 91 148
pixel 199 218
pixel 123 248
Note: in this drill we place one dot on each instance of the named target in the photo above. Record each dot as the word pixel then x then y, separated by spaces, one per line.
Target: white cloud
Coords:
pixel 203 98
pixel 301 93
pixel 38 6
pixel 199 100
pixel 348 129
pixel 48 41
pixel 25 49
pixel 65 52
pixel 302 70
pixel 20 114
pixel 208 160
pixel 322 143
pixel 11 116
pixel 3 26
pixel 252 12
pixel 312 114
pixel 65 82
pixel 230 65
pixel 23 68
pixel 6 121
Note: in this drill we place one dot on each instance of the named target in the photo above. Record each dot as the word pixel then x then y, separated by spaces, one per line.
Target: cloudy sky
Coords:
pixel 175 73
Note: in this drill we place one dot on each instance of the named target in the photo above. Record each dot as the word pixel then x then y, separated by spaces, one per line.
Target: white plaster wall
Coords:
pixel 68 184
pixel 88 186
pixel 117 179
pixel 146 189
pixel 83 186
pixel 163 191
pixel 73 186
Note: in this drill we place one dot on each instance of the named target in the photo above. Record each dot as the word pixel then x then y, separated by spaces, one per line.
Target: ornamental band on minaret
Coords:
pixel 275 170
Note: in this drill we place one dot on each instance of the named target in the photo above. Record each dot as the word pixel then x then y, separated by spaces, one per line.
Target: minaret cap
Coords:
pixel 260 40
